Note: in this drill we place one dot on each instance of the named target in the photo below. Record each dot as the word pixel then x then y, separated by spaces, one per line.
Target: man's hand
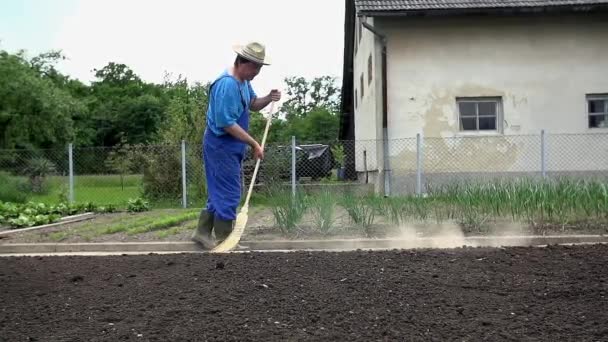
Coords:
pixel 258 152
pixel 275 95
pixel 261 102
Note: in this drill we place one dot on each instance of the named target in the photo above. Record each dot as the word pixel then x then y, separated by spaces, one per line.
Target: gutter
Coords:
pixel 387 179
pixel 506 10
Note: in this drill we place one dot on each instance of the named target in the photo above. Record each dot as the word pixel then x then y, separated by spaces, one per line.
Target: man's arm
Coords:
pixel 238 132
pixel 260 103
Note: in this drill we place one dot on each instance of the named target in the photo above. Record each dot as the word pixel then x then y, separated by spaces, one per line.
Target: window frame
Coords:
pixel 362 87
pixel 369 69
pixel 481 99
pixel 588 115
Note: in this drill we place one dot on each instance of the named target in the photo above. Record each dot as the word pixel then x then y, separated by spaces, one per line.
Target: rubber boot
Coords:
pixel 222 231
pixel 223 228
pixel 202 233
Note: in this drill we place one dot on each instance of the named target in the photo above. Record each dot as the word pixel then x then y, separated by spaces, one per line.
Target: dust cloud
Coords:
pixel 451 235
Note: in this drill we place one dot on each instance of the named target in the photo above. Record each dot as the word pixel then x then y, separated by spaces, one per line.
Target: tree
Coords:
pixel 123 105
pixel 34 111
pixel 304 96
pixel 320 125
pixel 186 113
pixel 121 161
pixel 276 133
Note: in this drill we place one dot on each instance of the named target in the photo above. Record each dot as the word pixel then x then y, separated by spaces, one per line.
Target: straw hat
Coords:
pixel 254 51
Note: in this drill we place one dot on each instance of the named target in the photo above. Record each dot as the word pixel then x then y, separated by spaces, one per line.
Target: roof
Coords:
pixel 380 7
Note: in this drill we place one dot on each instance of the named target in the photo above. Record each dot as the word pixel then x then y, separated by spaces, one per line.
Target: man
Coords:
pixel 231 97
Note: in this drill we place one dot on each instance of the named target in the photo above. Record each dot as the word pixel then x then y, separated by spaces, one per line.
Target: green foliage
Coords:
pixel 163 223
pixel 12 189
pixel 323 211
pixel 361 210
pixel 305 96
pixel 138 205
pixel 35 110
pixel 160 180
pixel 107 209
pixel 34 214
pixel 37 170
pixel 287 211
pixel 310 113
pixel 555 201
pixel 121 162
pixel 42 108
pixel 185 117
pixel 338 153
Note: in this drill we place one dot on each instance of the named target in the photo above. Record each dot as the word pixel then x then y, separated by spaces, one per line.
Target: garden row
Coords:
pixel 34 214
pixel 473 206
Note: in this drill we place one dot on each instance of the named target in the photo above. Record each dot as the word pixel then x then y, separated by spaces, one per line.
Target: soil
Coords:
pixel 556 293
pixel 261 226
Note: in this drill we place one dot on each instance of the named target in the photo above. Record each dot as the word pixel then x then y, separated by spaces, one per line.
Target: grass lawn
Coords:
pixel 163 222
pixel 99 189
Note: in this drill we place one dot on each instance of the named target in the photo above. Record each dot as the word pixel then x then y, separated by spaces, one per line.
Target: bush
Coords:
pixel 138 205
pixel 12 189
pixel 161 172
pixel 37 170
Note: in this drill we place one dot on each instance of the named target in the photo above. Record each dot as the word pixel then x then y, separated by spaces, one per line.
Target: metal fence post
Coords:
pixel 543 154
pixel 71 171
pixel 184 195
pixel 418 164
pixel 365 166
pixel 293 167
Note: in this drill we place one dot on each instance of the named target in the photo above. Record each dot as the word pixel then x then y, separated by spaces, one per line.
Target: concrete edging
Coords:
pixel 285 245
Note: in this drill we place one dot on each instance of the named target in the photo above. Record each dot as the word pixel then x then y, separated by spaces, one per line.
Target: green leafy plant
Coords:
pixel 106 209
pixel 138 205
pixel 338 153
pixel 361 212
pixel 323 211
pixel 288 211
pixel 27 215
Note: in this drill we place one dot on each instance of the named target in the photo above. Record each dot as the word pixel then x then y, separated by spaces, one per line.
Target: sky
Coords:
pixel 193 38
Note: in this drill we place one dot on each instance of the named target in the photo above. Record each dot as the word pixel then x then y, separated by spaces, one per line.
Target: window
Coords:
pixel 369 69
pixel 479 114
pixel 597 110
pixel 362 87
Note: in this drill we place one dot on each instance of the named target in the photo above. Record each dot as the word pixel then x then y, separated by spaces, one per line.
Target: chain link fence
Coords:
pixel 173 175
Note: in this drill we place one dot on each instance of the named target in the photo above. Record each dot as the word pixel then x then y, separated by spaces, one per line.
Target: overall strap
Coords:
pixel 240 92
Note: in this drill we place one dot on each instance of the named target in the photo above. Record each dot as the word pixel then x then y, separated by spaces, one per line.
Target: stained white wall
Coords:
pixel 541 67
pixel 368 109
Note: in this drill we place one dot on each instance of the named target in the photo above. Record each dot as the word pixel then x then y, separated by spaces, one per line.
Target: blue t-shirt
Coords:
pixel 229 98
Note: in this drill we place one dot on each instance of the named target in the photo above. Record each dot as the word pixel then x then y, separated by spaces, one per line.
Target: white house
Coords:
pixel 478 80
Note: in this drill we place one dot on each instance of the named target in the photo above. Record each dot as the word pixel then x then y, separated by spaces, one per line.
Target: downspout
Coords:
pixel 387 178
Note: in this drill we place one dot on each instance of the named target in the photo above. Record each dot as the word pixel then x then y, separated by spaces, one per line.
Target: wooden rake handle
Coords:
pixel 257 163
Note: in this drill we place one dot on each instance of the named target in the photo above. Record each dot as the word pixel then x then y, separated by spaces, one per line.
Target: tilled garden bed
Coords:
pixel 553 293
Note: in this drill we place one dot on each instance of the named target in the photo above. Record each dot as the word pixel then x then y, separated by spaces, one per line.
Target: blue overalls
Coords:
pixel 223 156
